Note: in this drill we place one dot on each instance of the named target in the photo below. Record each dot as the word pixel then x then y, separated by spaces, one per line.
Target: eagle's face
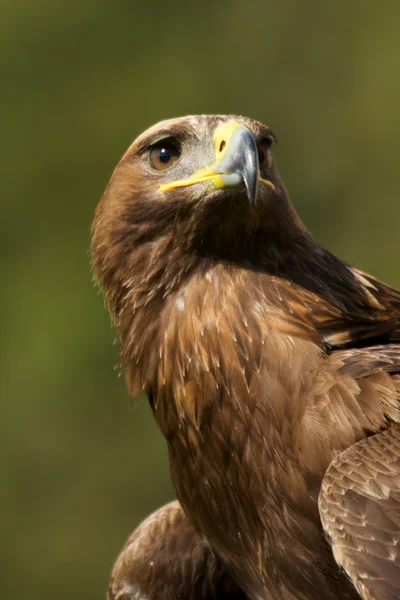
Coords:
pixel 206 154
pixel 206 180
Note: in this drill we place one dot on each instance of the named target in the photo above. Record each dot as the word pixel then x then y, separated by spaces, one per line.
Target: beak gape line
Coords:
pixel 236 163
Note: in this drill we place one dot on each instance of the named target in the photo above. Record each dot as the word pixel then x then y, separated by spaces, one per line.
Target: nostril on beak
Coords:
pixel 222 145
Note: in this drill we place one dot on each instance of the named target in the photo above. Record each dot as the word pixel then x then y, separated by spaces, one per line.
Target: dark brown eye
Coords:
pixel 264 152
pixel 164 154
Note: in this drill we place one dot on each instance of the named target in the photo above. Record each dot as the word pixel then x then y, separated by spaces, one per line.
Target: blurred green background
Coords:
pixel 80 466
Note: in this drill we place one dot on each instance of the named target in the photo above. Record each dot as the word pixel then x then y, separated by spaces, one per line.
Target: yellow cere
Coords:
pixel 223 133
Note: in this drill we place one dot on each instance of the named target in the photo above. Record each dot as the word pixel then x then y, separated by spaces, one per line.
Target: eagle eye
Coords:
pixel 264 151
pixel 164 154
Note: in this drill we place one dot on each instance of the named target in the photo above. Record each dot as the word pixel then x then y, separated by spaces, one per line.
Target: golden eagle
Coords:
pixel 271 366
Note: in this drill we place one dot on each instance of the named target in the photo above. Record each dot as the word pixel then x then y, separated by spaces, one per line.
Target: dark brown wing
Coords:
pixel 363 362
pixel 372 317
pixel 359 505
pixel 343 309
pixel 165 559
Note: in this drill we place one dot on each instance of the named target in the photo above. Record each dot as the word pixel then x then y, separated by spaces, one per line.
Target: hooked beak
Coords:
pixel 236 163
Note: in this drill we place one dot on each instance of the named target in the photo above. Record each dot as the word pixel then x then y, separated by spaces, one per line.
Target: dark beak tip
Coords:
pixel 251 190
pixel 242 158
pixel 250 165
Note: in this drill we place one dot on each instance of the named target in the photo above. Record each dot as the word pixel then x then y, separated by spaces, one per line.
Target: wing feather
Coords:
pixel 359 505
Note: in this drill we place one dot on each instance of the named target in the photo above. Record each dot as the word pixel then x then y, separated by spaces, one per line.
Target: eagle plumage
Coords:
pixel 165 559
pixel 272 367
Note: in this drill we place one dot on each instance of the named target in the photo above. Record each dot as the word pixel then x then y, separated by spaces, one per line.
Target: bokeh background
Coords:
pixel 80 467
